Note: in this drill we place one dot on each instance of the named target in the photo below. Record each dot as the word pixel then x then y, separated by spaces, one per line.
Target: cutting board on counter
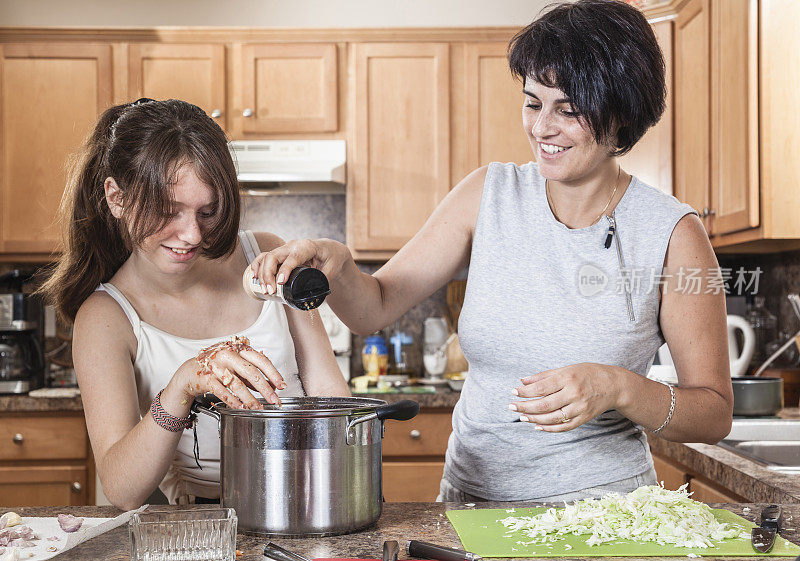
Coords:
pixel 481 532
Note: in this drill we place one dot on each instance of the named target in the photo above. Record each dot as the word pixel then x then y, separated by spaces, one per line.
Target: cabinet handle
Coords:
pixel 216 114
pixel 415 434
pixel 707 212
pixel 247 112
pixel 76 487
pixel 18 438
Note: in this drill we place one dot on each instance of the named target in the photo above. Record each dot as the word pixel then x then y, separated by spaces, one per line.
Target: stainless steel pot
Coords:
pixel 309 468
pixel 757 396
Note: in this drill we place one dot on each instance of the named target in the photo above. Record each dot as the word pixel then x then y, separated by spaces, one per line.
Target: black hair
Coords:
pixel 604 56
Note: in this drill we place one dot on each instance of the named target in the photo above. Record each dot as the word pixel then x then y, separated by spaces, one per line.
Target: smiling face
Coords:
pixel 562 142
pixel 193 206
pixel 178 244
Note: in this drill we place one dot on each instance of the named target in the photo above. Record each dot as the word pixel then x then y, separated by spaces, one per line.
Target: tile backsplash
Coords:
pixel 780 277
pixel 295 216
pixel 315 216
pixel 323 216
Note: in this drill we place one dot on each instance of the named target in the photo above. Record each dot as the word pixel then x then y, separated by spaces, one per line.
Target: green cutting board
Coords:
pixel 482 533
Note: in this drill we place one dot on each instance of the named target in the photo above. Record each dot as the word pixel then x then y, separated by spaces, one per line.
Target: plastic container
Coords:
pixel 374 357
pixel 184 535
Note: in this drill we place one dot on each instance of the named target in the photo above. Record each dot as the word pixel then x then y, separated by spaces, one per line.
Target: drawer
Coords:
pixel 42 438
pixel 411 481
pixel 43 486
pixel 424 435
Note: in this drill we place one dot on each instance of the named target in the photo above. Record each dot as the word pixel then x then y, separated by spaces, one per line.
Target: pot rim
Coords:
pixel 323 407
pixel 752 380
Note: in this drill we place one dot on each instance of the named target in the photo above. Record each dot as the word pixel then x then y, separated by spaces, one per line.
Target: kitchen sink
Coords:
pixel 773 443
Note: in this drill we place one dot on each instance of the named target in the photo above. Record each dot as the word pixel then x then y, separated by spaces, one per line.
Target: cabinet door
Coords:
pixel 669 473
pixel 288 88
pixel 193 73
pixel 651 157
pixel 493 108
pixel 734 115
pixel 400 169
pixel 709 493
pixel 411 481
pixel 692 105
pixel 42 437
pixel 424 435
pixel 43 486
pixel 51 96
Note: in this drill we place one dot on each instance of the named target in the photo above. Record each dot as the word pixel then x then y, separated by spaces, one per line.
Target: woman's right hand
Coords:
pixel 229 370
pixel 273 267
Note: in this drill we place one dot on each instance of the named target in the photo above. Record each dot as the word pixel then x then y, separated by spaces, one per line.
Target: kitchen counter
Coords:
pixel 443 398
pixel 732 471
pixel 28 404
pixel 400 521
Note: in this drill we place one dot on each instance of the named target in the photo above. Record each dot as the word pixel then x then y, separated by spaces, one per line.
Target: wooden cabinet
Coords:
pixel 400 165
pixel 52 94
pixel 734 116
pixel 45 460
pixel 673 475
pixel 193 73
pixel 492 108
pixel 651 158
pixel 692 104
pixel 57 485
pixel 413 456
pixel 735 121
pixel 707 492
pixel 287 88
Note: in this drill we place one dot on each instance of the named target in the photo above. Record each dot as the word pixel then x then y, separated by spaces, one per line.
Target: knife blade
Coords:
pixel 763 537
pixel 390 550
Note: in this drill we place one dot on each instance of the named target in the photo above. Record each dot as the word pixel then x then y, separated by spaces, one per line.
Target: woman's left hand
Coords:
pixel 567 397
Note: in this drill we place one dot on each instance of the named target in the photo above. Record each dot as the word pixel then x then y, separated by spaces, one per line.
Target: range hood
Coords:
pixel 290 166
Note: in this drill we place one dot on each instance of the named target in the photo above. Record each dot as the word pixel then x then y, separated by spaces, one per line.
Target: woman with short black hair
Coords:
pixel 577 275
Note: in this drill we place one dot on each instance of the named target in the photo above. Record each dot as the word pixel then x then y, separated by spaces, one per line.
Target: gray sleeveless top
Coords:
pixel 541 296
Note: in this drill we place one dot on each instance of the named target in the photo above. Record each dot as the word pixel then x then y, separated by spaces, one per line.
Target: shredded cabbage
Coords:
pixel 647 514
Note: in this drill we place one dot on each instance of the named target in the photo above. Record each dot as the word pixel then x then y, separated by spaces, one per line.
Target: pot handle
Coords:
pixel 402 410
pixel 206 404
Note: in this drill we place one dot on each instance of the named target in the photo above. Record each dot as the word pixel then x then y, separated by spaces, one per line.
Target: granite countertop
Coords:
pixel 744 476
pixel 400 521
pixel 443 398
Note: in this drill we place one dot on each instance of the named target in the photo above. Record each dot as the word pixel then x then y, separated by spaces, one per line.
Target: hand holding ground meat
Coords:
pixel 229 370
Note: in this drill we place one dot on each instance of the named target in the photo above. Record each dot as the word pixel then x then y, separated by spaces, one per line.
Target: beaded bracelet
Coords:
pixel 167 421
pixel 671 409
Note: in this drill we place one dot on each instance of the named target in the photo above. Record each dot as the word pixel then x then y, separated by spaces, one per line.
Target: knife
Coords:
pixel 763 537
pixel 427 550
pixel 390 550
pixel 277 553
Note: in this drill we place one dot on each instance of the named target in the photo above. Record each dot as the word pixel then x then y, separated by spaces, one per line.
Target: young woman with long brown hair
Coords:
pixel 151 275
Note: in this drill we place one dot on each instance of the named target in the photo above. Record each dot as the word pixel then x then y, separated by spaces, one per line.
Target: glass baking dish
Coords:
pixel 184 535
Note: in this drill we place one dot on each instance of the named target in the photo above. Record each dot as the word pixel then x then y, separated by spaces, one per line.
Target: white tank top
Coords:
pixel 158 356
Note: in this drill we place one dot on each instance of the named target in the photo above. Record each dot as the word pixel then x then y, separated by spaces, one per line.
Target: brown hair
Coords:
pixel 142 145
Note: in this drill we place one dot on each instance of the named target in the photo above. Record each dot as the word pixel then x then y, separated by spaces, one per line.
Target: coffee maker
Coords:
pixel 21 335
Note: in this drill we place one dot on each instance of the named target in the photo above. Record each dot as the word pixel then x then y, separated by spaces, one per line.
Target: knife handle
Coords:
pixel 425 550
pixel 770 517
pixel 390 550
